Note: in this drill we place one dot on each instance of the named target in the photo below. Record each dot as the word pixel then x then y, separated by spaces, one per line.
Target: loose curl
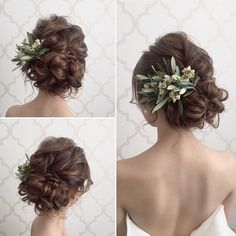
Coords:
pixel 58 173
pixel 205 102
pixel 60 70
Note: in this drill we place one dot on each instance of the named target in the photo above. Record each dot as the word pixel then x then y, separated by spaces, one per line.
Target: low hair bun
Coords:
pixel 60 70
pixel 203 105
pixel 46 192
pixel 58 172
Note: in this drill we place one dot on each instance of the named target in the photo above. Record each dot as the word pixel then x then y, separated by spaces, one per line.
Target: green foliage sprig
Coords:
pixel 161 88
pixel 23 170
pixel 28 50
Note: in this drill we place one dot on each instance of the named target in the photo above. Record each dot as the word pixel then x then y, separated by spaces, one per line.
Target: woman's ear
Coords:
pixel 150 117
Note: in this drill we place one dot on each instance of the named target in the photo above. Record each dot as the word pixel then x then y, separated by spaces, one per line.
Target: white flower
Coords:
pixel 36 44
pixel 161 91
pixel 188 73
pixel 162 86
pixel 168 79
pixel 174 96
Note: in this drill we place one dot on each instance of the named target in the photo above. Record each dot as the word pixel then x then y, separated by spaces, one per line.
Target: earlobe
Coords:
pixel 150 117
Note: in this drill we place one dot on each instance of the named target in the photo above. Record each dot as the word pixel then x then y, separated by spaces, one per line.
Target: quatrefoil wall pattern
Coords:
pixel 94 214
pixel 211 24
pixel 96 17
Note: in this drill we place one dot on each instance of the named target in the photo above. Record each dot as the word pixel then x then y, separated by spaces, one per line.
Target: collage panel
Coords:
pixel 64 62
pixel 175 115
pixel 57 165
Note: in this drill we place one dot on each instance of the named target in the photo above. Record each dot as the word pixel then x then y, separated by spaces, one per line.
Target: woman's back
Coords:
pixel 44 105
pixel 171 192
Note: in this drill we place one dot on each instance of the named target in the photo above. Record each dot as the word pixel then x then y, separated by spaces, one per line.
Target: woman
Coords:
pixel 179 186
pixel 52 180
pixel 53 59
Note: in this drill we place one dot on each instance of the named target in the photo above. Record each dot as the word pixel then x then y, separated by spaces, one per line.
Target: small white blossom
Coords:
pixel 168 79
pixel 162 86
pixel 188 73
pixel 174 96
pixel 36 44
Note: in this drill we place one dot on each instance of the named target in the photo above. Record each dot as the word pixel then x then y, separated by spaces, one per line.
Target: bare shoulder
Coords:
pixel 224 164
pixel 220 160
pixel 122 169
pixel 229 163
pixel 13 111
pixel 126 167
pixel 226 160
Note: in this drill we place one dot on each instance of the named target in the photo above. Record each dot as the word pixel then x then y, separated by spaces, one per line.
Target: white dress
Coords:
pixel 214 225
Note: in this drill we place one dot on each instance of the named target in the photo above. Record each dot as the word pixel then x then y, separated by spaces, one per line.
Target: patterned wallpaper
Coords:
pixel 96 17
pixel 211 24
pixel 95 209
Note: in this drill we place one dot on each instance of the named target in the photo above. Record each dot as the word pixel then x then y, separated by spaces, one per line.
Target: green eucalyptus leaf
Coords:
pixel 177 72
pixel 173 64
pixel 15 59
pixel 30 37
pixel 148 90
pixel 43 51
pixel 176 77
pixel 141 77
pixel 176 89
pixel 182 91
pixel 143 93
pixel 160 73
pixel 186 82
pixel 189 87
pixel 161 96
pixel 157 78
pixel 26 58
pixel 28 47
pixel 160 104
pixel 171 86
pixel 29 52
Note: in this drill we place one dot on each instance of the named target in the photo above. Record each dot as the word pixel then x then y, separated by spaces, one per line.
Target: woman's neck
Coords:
pixel 170 136
pixel 52 220
pixel 49 98
pixel 51 103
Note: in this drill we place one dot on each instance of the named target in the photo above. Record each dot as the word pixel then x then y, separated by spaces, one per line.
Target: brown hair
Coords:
pixel 58 172
pixel 60 70
pixel 204 103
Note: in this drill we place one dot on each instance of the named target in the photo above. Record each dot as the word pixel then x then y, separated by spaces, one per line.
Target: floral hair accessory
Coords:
pixel 29 50
pixel 162 88
pixel 23 170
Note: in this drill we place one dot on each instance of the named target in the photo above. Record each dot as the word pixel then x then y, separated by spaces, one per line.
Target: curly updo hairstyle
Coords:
pixel 59 172
pixel 60 70
pixel 206 102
